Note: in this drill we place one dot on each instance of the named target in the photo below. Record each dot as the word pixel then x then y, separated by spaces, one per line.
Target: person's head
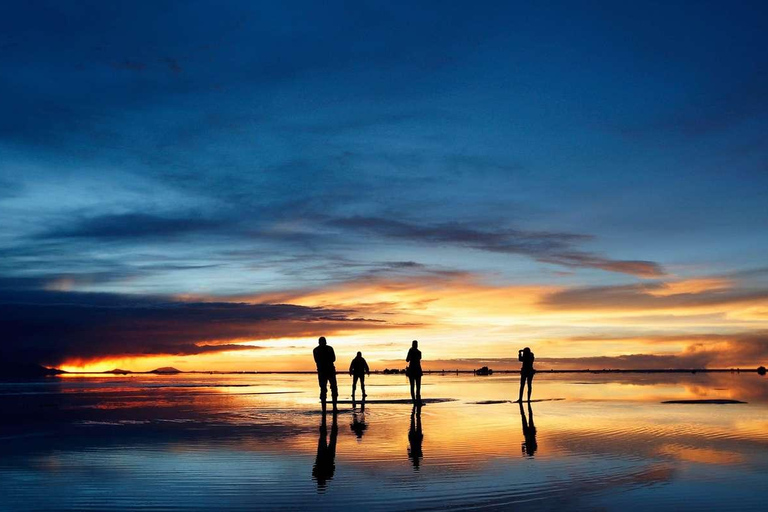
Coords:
pixel 415 344
pixel 526 350
pixel 359 354
pixel 321 341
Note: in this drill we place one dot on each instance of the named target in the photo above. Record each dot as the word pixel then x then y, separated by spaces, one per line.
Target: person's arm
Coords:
pixel 367 370
pixel 352 367
pixel 520 355
pixel 333 355
pixel 408 357
pixel 314 354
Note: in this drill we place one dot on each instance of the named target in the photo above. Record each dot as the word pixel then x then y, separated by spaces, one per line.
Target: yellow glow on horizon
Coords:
pixel 464 318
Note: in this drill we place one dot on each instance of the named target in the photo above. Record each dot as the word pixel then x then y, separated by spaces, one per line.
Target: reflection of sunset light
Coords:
pixel 700 455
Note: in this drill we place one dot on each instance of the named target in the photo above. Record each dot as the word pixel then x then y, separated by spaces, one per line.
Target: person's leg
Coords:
pixel 322 381
pixel 418 388
pixel 530 381
pixel 413 395
pixel 354 386
pixel 362 385
pixel 522 385
pixel 334 388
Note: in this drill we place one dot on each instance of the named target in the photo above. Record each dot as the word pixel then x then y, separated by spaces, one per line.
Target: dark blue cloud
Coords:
pixel 135 225
pixel 49 327
pixel 557 248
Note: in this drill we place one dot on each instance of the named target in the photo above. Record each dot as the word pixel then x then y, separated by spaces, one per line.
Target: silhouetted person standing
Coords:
pixel 415 438
pixel 529 432
pixel 358 369
pixel 526 371
pixel 325 462
pixel 414 371
pixel 326 371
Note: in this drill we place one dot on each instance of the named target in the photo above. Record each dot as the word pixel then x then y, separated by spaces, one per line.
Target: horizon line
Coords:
pixel 396 371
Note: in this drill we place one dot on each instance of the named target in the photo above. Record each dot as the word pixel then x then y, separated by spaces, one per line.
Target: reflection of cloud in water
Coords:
pixel 728 442
pixel 252 450
pixel 701 455
pixel 745 386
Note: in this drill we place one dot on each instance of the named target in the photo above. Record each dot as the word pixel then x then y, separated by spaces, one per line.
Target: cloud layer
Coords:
pixel 49 327
pixel 556 248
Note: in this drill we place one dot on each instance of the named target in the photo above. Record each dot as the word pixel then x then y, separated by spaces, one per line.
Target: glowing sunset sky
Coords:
pixel 213 188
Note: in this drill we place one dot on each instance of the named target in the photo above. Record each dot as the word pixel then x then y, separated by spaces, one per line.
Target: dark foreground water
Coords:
pixel 257 442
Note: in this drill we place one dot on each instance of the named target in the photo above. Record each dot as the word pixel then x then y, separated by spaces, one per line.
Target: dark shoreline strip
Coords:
pixel 397 401
pixel 492 402
pixel 715 401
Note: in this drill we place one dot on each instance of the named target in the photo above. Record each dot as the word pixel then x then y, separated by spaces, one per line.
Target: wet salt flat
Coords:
pixel 258 442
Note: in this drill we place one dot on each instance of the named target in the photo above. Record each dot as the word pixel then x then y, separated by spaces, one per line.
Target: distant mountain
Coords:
pixel 165 370
pixel 118 371
pixel 26 371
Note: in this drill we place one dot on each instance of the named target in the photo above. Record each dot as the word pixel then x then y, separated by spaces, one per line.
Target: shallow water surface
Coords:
pixel 231 442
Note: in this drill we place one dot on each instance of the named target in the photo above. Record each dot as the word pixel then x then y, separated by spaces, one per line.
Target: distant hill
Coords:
pixel 165 370
pixel 26 371
pixel 118 371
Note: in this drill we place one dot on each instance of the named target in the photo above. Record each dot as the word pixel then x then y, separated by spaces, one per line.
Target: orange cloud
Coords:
pixel 457 317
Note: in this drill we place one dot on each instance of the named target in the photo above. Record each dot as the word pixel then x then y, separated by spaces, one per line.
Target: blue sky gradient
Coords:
pixel 247 148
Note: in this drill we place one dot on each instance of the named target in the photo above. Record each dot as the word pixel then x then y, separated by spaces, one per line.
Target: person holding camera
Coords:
pixel 525 356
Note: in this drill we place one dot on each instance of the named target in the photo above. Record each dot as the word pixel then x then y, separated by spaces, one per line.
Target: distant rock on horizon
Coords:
pixel 118 371
pixel 166 370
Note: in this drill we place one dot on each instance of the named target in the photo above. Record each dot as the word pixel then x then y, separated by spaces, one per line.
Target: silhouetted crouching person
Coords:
pixel 529 432
pixel 414 371
pixel 358 369
pixel 326 371
pixel 526 371
pixel 415 438
pixel 325 462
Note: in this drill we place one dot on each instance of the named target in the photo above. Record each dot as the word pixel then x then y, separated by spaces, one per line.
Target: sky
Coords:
pixel 212 185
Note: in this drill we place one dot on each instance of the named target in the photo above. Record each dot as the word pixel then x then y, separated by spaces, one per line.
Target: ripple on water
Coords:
pixel 195 447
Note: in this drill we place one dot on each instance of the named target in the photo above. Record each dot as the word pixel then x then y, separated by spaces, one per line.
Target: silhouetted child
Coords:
pixel 526 371
pixel 358 369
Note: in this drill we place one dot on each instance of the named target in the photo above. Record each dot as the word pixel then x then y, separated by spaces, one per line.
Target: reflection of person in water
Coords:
pixel 415 437
pixel 325 462
pixel 525 356
pixel 358 425
pixel 414 371
pixel 529 432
